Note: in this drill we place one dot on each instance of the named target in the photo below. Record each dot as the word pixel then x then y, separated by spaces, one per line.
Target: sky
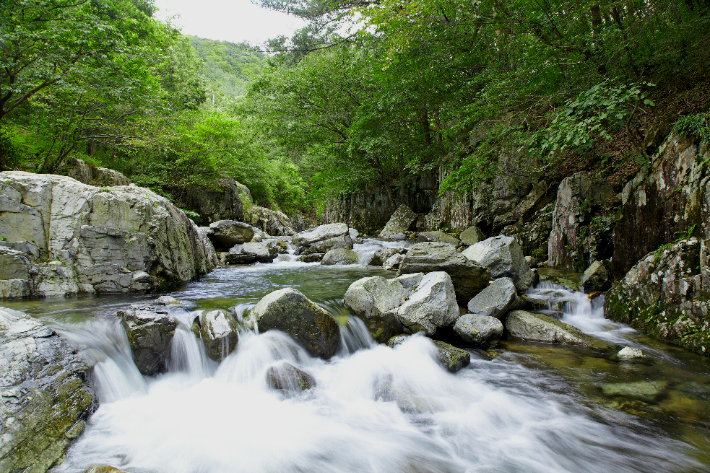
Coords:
pixel 227 20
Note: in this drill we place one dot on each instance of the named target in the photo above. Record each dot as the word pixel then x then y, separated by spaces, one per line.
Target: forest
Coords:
pixel 368 96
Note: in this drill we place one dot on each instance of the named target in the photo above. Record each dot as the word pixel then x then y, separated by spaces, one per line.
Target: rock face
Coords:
pixel 495 300
pixel 667 294
pixel 402 219
pixel 471 236
pixel 150 331
pixel 671 196
pixel 322 239
pixel 248 253
pixel 468 277
pixel 480 331
pixel 227 233
pixel 577 196
pixel 409 303
pixel 382 255
pixel 219 333
pixel 438 236
pixel 541 328
pixel 218 201
pixel 339 256
pixel 85 239
pixel 286 377
pixel 46 397
pixel 308 324
pixel 504 258
pixel 597 277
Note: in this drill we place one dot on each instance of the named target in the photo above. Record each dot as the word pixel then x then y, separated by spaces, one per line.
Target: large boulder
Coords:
pixel 504 258
pixel 322 239
pixel 495 300
pixel 227 233
pixel 339 256
pixel 85 239
pixel 402 219
pixel 309 325
pixel 410 303
pixel 471 236
pixel 219 333
pixel 248 253
pixel 437 236
pixel 597 277
pixel 272 222
pixel 480 331
pixel 667 294
pixel 541 328
pixel 286 377
pixel 45 396
pixel 468 277
pixel 150 330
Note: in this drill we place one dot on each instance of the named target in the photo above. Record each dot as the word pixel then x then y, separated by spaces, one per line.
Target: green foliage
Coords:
pixel 696 126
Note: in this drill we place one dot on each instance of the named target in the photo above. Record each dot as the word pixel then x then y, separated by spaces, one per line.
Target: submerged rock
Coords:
pixel 450 357
pixel 597 277
pixel 468 277
pixel 339 256
pixel 480 331
pixel 227 233
pixel 495 300
pixel 541 328
pixel 150 331
pixel 248 253
pixel 471 236
pixel 503 257
pixel 286 377
pixel 307 323
pixel 45 394
pixel 646 391
pixel 402 220
pixel 219 333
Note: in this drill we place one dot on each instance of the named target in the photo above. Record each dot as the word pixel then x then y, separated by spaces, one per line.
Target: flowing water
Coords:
pixel 532 408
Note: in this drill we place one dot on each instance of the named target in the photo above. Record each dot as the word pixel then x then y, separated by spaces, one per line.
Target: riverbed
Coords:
pixel 525 407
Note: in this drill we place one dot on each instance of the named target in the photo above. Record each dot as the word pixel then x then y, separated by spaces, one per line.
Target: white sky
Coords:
pixel 227 20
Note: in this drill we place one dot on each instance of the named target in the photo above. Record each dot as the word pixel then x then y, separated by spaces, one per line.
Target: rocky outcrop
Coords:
pixel 322 239
pixel 308 324
pixel 218 333
pixel 597 277
pixel 663 202
pixel 85 239
pixel 339 256
pixel 272 222
pixel 410 303
pixel 541 328
pixel 94 175
pixel 45 396
pixel 577 197
pixel 534 234
pixel 503 257
pixel 219 200
pixel 286 377
pixel 667 294
pixel 150 330
pixel 480 331
pixel 227 233
pixel 402 220
pixel 468 277
pixel 249 253
pixel 495 300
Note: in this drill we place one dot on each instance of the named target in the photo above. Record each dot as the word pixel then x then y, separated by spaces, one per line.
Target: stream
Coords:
pixel 532 408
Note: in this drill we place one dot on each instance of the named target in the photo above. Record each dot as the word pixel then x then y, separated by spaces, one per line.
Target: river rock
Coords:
pixel 339 256
pixel 277 246
pixel 227 233
pixel 311 258
pixel 150 330
pixel 437 236
pixel 99 468
pixel 468 277
pixel 248 253
pixel 259 235
pixel 273 222
pixel 322 239
pixel 481 331
pixel 646 391
pixel 495 300
pixel 45 394
pixel 410 303
pixel 667 294
pixel 597 277
pixel 628 354
pixel 471 236
pixel 450 357
pixel 402 220
pixel 393 262
pixel 307 323
pixel 98 240
pixel 541 328
pixel 286 377
pixel 381 255
pixel 503 257
pixel 219 333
